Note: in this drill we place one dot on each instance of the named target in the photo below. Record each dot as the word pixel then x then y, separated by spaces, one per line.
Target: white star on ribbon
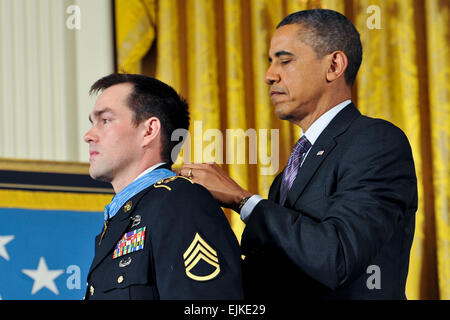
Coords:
pixel 43 277
pixel 4 240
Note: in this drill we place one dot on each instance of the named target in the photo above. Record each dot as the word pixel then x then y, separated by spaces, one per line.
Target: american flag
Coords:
pixel 48 224
pixel 45 255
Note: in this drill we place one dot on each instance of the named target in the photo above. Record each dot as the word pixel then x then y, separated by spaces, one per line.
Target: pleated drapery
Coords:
pixel 215 53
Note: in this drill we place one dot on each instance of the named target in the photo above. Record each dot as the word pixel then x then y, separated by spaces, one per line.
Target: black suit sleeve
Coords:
pixel 196 254
pixel 374 181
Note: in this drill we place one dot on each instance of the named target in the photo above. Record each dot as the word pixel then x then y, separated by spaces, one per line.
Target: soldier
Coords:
pixel 164 237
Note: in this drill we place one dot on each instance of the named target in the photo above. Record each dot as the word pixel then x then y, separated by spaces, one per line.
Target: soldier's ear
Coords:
pixel 151 131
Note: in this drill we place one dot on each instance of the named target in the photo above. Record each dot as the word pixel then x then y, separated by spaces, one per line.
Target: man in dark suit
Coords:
pixel 339 221
pixel 164 237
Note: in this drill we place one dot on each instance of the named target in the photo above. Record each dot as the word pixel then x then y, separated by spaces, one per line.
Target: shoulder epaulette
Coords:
pixel 163 182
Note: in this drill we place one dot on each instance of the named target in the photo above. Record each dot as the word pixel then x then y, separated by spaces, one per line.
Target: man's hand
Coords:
pixel 224 189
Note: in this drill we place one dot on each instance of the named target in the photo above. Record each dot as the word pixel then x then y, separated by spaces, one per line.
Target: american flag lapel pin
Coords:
pixel 320 153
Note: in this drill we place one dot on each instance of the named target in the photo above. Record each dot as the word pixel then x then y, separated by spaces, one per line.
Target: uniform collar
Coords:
pixel 150 169
pixel 143 181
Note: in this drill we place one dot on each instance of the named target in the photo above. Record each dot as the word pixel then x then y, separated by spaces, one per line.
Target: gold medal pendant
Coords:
pixel 105 226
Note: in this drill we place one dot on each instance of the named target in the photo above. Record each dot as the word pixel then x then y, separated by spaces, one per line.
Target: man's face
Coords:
pixel 297 77
pixel 114 140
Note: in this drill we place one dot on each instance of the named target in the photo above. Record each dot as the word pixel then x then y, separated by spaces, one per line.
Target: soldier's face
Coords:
pixel 114 140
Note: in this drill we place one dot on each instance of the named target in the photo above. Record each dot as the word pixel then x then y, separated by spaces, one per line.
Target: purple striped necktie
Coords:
pixel 290 172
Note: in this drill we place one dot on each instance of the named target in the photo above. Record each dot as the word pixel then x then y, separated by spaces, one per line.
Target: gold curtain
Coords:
pixel 438 79
pixel 214 52
pixel 134 31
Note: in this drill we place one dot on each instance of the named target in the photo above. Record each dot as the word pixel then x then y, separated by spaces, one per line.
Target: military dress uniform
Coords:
pixel 169 241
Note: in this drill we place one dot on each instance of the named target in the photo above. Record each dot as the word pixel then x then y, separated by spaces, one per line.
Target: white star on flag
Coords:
pixel 4 240
pixel 43 277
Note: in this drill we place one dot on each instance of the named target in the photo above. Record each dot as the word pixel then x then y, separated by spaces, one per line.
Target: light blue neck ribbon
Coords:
pixel 134 188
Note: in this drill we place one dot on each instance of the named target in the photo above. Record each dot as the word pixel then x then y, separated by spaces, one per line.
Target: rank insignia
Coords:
pixel 162 183
pixel 200 260
pixel 131 241
pixel 127 206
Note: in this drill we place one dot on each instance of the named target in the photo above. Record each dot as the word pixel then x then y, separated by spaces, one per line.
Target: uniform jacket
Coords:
pixel 188 248
pixel 346 228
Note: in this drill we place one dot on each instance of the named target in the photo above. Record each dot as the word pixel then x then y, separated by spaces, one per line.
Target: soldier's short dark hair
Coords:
pixel 327 31
pixel 151 98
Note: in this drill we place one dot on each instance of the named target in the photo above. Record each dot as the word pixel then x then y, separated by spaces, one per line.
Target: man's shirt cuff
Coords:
pixel 248 207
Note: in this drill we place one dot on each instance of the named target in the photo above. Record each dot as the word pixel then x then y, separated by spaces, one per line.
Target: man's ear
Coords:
pixel 338 63
pixel 152 130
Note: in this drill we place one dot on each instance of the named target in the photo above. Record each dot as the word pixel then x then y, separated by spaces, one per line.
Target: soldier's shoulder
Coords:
pixel 177 187
pixel 174 183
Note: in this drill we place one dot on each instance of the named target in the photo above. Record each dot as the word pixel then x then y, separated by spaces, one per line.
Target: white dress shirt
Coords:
pixel 149 170
pixel 312 134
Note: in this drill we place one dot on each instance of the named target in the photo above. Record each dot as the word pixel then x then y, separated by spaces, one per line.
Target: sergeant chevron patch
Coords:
pixel 199 251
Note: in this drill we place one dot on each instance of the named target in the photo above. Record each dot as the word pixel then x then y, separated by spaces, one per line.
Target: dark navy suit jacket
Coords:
pixel 346 229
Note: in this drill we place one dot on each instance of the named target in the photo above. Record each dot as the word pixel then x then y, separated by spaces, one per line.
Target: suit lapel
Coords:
pixel 323 146
pixel 116 229
pixel 309 167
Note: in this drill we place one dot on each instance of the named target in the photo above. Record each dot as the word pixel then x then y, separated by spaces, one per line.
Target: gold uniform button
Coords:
pixel 91 290
pixel 127 206
pixel 120 279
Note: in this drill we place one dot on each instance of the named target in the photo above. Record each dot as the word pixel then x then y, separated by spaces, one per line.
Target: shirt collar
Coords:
pixel 320 124
pixel 149 170
pixel 144 180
